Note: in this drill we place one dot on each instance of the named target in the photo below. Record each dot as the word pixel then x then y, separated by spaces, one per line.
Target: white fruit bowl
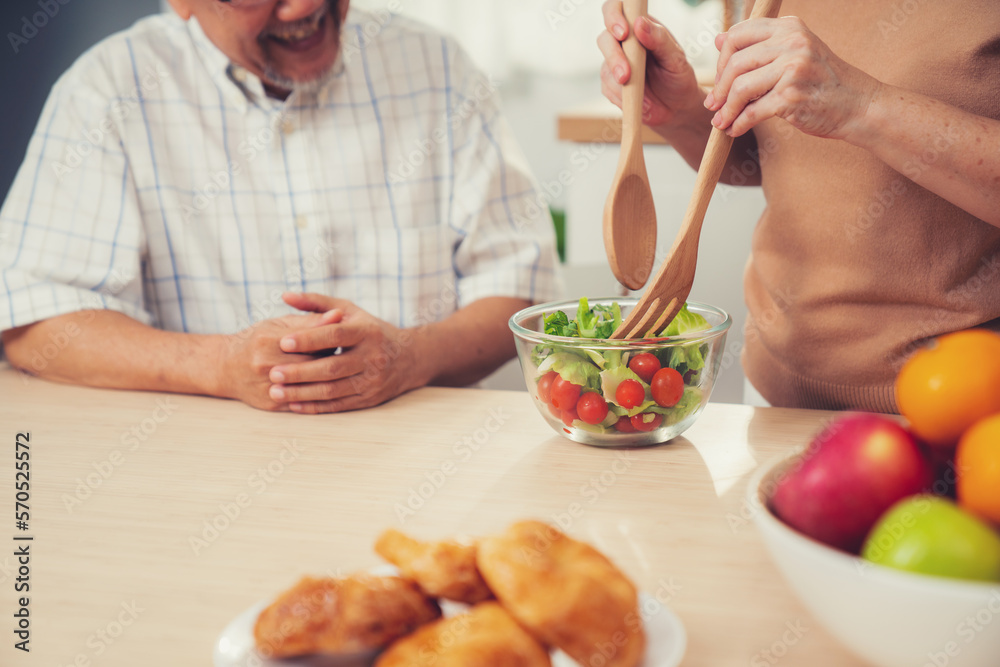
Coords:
pixel 888 617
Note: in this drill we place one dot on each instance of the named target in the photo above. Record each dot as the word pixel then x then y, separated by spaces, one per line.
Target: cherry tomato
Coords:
pixel 555 412
pixel 667 387
pixel 645 366
pixel 592 408
pixel 624 425
pixel 569 416
pixel 565 394
pixel 545 386
pixel 630 393
pixel 640 424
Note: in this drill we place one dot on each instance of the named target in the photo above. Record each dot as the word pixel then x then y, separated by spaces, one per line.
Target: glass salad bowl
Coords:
pixel 617 393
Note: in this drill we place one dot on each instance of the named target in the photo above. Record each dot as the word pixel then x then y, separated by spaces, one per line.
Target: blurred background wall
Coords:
pixel 34 57
pixel 542 53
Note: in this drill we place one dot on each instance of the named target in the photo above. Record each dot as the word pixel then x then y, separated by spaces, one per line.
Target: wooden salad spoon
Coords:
pixel 629 216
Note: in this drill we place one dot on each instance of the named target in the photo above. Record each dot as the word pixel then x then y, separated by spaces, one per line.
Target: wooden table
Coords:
pixel 157 518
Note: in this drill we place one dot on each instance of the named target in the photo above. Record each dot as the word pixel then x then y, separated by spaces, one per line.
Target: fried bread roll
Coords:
pixel 343 615
pixel 441 569
pixel 485 636
pixel 566 593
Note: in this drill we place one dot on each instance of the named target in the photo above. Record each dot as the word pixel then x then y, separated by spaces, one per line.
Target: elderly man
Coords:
pixel 198 178
pixel 873 127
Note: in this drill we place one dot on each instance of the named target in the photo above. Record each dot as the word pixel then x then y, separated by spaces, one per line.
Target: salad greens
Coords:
pixel 596 322
pixel 603 371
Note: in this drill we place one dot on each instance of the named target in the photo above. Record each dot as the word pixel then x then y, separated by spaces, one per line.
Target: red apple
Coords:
pixel 853 471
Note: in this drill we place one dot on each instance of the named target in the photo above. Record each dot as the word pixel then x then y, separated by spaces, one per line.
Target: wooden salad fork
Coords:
pixel 669 290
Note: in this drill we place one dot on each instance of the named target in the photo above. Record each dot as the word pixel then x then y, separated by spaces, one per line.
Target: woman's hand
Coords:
pixel 778 67
pixel 672 91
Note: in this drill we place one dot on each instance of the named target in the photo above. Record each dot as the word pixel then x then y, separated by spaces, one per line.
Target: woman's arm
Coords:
pixel 779 68
pixel 953 153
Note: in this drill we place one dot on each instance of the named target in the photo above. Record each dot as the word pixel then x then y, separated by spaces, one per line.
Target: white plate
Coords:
pixel 234 647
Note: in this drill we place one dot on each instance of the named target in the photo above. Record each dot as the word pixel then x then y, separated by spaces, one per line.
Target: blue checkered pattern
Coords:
pixel 161 182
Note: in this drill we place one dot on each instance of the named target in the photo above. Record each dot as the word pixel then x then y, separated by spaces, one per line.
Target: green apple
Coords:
pixel 932 535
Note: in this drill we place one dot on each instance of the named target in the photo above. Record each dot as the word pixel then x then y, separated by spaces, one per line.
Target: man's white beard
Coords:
pixel 311 86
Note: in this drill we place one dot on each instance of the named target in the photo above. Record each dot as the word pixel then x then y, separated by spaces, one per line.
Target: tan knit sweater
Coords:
pixel 853 264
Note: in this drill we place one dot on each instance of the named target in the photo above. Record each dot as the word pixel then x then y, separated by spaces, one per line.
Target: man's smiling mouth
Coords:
pixel 299 31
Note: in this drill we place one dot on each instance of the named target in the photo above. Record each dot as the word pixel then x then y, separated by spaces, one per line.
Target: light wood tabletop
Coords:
pixel 157 518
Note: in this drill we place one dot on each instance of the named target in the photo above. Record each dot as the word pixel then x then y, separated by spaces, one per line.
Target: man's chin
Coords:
pixel 309 84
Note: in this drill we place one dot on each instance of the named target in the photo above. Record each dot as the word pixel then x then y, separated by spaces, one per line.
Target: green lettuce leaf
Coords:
pixel 586 319
pixel 612 359
pixel 686 322
pixel 648 405
pixel 596 322
pixel 689 403
pixel 610 319
pixel 610 420
pixel 599 321
pixel 573 367
pixel 686 357
pixel 593 428
pixel 539 353
pixel 558 324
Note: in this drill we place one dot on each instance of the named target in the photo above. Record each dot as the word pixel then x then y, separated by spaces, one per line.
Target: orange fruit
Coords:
pixel 945 388
pixel 977 461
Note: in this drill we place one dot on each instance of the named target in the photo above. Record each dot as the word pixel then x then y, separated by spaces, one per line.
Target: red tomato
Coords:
pixel 624 425
pixel 667 387
pixel 555 412
pixel 545 386
pixel 592 408
pixel 565 394
pixel 630 393
pixel 645 366
pixel 640 424
pixel 569 416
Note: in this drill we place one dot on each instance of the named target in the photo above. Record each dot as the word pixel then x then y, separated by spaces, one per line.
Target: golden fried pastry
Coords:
pixel 485 636
pixel 566 593
pixel 441 569
pixel 342 615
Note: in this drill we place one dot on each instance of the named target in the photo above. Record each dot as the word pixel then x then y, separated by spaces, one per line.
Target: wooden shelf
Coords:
pixel 598 122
